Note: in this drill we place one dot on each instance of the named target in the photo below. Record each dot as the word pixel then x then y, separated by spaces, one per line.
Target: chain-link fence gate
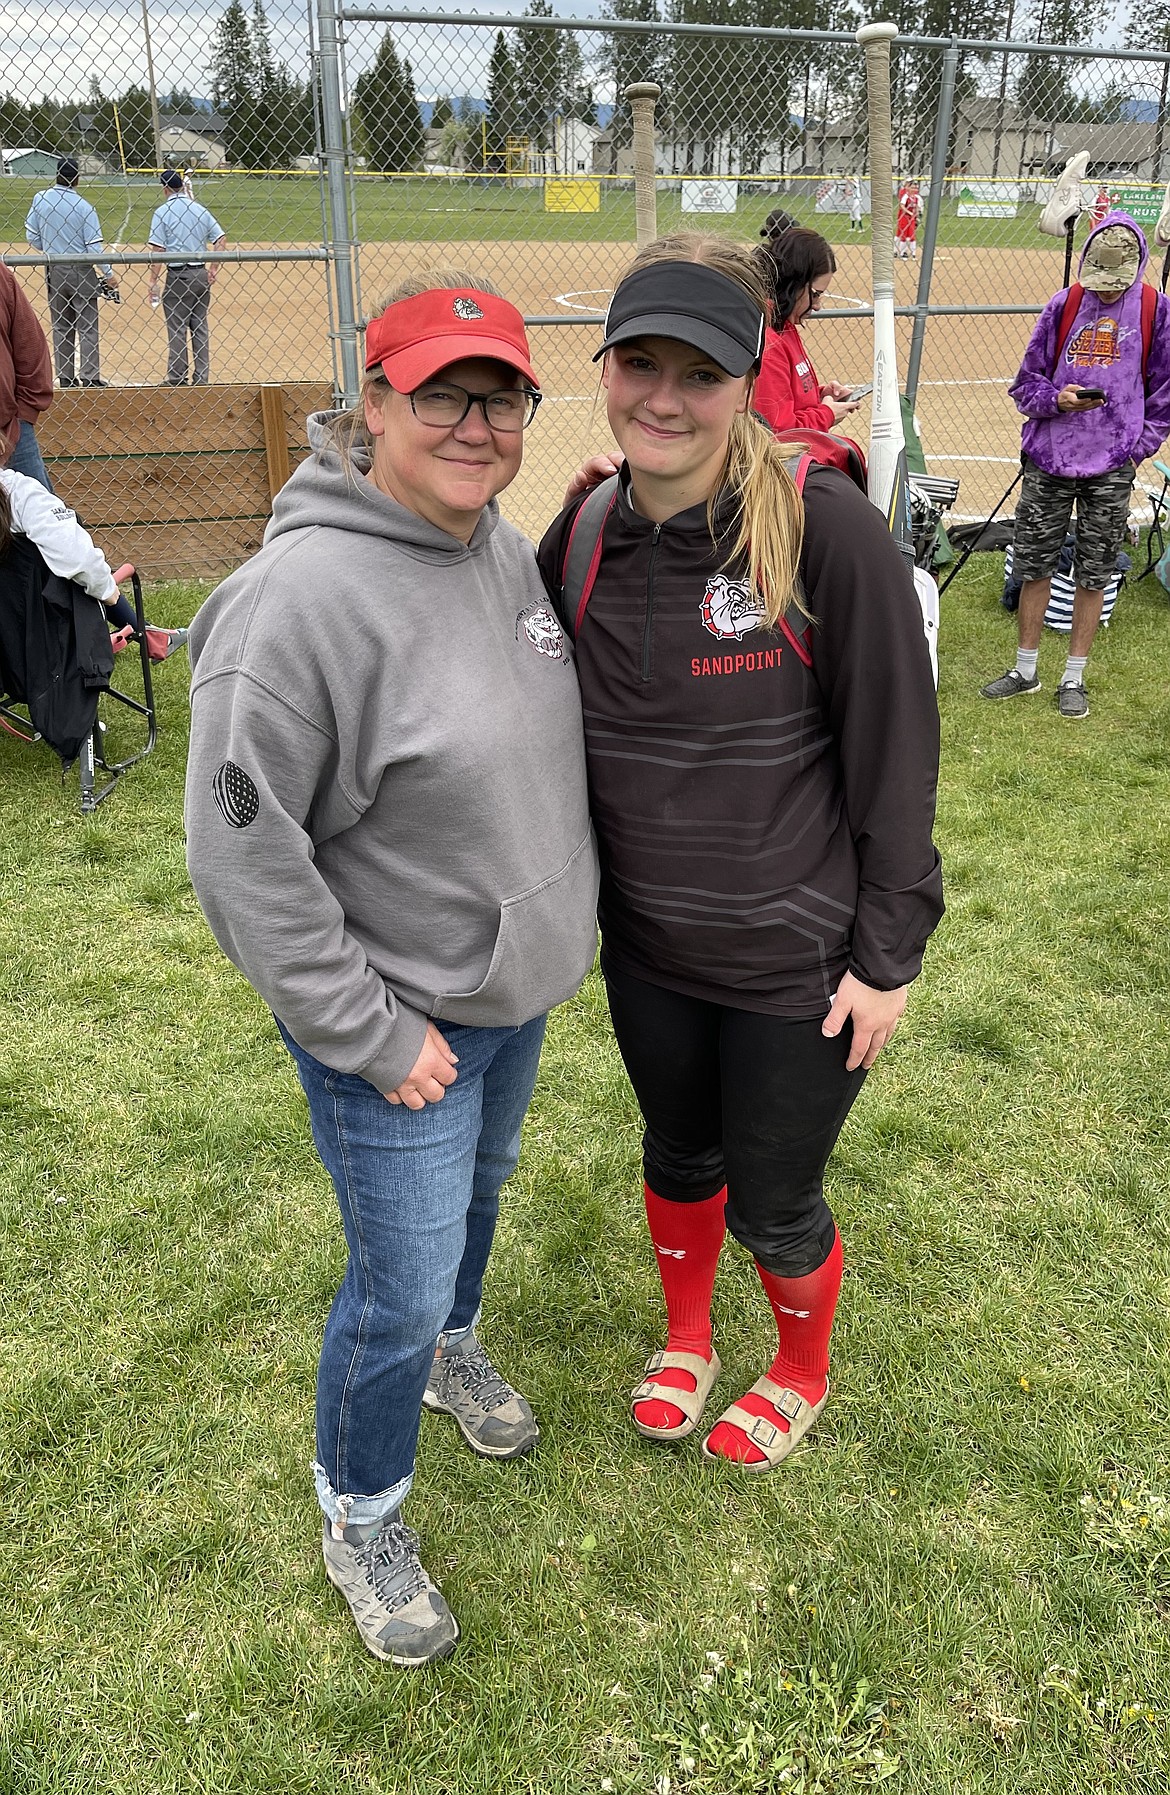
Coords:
pixel 362 144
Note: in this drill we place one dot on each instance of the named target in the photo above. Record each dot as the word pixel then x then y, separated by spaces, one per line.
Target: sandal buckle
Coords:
pixel 763 1433
pixel 789 1405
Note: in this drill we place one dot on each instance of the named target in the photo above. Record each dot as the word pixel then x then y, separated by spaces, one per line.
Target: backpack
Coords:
pixel 1058 615
pixel 583 550
pixel 1072 305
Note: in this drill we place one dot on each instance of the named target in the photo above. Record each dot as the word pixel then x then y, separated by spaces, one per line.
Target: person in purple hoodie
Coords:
pixel 1095 390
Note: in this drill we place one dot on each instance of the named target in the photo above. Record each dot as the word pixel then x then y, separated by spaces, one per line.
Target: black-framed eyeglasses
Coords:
pixel 816 294
pixel 444 406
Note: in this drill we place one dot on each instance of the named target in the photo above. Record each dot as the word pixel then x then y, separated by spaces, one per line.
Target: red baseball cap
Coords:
pixel 415 338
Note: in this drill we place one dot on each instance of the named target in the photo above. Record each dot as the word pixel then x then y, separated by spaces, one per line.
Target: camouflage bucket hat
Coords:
pixel 1112 261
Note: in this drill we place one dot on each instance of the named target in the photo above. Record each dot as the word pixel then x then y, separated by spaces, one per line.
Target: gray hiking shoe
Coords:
pixel 493 1418
pixel 1010 685
pixel 400 1615
pixel 1072 700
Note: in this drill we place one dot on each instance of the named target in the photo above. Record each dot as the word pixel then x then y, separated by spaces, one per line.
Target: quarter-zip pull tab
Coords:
pixel 649 625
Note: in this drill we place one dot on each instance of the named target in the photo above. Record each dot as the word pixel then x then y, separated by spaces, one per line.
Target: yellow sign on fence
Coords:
pixel 578 195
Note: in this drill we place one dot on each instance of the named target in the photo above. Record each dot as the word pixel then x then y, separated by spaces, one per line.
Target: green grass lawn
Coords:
pixel 288 209
pixel 961 1584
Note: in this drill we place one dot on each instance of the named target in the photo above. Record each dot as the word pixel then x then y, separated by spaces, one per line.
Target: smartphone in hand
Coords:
pixel 860 392
pixel 1090 392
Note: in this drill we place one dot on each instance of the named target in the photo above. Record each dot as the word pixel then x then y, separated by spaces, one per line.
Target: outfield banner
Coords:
pixel 561 195
pixel 1142 203
pixel 710 196
pixel 989 199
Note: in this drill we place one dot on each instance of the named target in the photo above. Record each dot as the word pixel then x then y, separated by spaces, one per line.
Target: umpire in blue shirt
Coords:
pixel 61 223
pixel 182 225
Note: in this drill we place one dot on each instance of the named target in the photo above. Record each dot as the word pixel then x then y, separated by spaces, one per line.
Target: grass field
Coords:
pixel 287 209
pixel 961 1585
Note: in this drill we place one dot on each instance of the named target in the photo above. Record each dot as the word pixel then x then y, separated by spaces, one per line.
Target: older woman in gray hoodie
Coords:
pixel 388 833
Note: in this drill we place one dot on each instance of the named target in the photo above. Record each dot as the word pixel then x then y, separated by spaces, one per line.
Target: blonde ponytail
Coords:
pixel 771 526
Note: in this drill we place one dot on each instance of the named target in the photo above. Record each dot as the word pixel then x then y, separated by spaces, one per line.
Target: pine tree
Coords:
pixel 387 112
pixel 503 118
pixel 538 76
pixel 136 126
pixel 632 56
pixel 266 126
pixel 234 82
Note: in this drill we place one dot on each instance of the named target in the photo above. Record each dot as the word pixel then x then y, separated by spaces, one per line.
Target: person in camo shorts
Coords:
pixel 1094 386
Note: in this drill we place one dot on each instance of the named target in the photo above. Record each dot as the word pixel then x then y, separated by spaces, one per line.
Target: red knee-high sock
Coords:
pixel 804 1310
pixel 687 1238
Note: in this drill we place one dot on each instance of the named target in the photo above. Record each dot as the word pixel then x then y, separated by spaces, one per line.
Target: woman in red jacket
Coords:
pixel 788 394
pixel 762 744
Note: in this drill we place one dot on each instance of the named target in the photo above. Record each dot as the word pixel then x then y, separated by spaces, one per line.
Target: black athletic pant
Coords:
pixel 732 1096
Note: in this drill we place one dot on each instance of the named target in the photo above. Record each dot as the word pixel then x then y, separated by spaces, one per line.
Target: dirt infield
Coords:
pixel 270 322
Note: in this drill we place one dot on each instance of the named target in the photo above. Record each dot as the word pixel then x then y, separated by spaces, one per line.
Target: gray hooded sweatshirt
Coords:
pixel 386 806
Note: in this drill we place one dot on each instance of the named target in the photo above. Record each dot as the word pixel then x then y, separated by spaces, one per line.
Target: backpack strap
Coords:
pixel 583 554
pixel 1072 305
pixel 794 624
pixel 583 557
pixel 1149 309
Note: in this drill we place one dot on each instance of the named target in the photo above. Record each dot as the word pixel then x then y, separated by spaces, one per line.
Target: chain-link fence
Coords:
pixel 159 434
pixel 338 148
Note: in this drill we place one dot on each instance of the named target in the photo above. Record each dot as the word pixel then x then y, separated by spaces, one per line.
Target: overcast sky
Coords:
pixel 55 47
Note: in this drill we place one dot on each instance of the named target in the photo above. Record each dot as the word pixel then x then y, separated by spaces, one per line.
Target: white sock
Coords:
pixel 1074 670
pixel 1026 659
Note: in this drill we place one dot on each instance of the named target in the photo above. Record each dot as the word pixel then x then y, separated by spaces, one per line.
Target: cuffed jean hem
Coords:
pixel 359 1511
pixel 455 1336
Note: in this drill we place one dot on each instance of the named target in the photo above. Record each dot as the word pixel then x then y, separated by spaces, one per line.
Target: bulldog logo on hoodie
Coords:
pixel 731 608
pixel 539 628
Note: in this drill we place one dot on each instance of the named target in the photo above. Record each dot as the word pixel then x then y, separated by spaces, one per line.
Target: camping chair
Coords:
pixel 56 666
pixel 1160 507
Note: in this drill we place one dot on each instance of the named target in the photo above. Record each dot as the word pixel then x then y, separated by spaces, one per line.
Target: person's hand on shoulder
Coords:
pixel 428 1078
pixel 592 473
pixel 875 1015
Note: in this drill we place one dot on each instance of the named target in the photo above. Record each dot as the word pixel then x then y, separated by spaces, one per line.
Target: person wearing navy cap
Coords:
pixel 184 227
pixel 388 830
pixel 61 223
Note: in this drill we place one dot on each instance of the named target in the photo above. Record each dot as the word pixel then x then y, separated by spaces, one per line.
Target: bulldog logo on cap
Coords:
pixel 466 309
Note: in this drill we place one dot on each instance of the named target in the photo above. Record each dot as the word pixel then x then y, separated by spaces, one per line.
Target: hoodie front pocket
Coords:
pixel 544 947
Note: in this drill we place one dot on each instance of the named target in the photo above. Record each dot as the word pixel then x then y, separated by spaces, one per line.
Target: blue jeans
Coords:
pixel 419 1192
pixel 26 457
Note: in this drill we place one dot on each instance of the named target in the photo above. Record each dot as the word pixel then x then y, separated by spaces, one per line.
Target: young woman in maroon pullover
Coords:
pixel 762 743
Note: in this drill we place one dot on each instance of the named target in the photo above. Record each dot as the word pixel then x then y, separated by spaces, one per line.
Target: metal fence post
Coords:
pixel 938 171
pixel 339 248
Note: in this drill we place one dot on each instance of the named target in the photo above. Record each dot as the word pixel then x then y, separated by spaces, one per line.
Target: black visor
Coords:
pixel 689 303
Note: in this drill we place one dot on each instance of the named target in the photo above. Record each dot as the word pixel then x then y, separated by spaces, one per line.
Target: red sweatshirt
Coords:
pixel 26 373
pixel 787 392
